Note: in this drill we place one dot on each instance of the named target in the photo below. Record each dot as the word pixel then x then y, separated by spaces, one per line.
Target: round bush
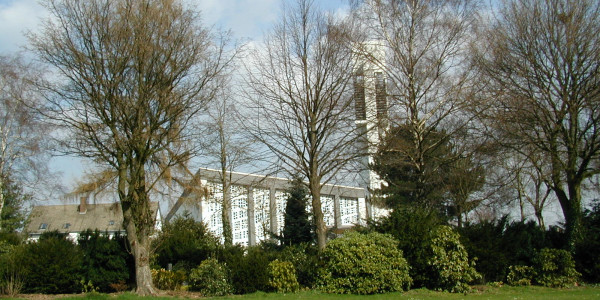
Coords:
pixel 282 276
pixel 364 264
pixel 555 268
pixel 210 278
pixel 447 262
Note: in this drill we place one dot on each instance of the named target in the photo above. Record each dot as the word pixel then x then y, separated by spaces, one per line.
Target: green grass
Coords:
pixel 485 292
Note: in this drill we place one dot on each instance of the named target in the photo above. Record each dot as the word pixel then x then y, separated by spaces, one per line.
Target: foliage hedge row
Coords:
pixel 415 251
pixel 56 265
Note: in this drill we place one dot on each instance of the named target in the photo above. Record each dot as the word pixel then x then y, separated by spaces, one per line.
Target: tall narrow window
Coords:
pixel 359 95
pixel 380 95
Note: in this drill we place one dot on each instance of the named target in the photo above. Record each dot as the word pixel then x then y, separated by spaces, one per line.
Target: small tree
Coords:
pixel 297 226
pixel 12 216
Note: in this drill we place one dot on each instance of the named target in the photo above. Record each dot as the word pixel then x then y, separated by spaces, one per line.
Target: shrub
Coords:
pixel 555 268
pixel 210 278
pixel 185 243
pixel 409 225
pixel 51 265
pixel 282 276
pixel 305 258
pixel 11 278
pixel 168 280
pixel 249 271
pixel 105 260
pixel 447 263
pixel 586 256
pixel 364 264
pixel 520 275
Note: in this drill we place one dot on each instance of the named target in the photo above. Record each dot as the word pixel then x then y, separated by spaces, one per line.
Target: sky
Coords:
pixel 247 19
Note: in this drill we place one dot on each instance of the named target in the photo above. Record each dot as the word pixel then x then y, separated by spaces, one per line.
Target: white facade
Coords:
pixel 258 206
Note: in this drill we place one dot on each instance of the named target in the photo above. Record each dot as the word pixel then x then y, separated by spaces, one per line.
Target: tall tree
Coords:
pixel 542 63
pixel 429 77
pixel 23 147
pixel 227 147
pixel 131 75
pixel 300 86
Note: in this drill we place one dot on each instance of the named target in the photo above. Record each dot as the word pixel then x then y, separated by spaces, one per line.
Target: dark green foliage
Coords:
pixel 105 260
pixel 499 245
pixel 185 243
pixel 9 240
pixel 282 276
pixel 586 255
pixel 485 242
pixel 446 262
pixel 408 184
pixel 360 263
pixel 211 278
pixel 555 268
pixel 409 226
pixel 297 226
pixel 305 258
pixel 249 272
pixel 51 266
pixel 12 217
pixel 522 240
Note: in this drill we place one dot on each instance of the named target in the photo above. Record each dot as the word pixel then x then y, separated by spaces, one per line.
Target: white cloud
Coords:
pixel 16 18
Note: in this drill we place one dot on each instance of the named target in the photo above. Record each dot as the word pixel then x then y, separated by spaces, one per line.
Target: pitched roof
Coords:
pixel 104 217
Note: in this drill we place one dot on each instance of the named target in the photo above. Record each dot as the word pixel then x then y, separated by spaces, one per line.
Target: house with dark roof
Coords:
pixel 72 219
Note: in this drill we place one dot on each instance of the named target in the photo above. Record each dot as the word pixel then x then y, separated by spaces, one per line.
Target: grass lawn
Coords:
pixel 484 292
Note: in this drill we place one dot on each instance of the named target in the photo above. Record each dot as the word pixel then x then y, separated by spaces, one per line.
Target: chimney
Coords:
pixel 82 205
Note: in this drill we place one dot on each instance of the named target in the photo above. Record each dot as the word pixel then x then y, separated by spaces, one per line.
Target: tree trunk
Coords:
pixel 571 206
pixel 226 213
pixel 138 223
pixel 321 227
pixel 1 198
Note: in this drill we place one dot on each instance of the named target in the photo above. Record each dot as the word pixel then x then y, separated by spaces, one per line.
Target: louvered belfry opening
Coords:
pixel 380 95
pixel 359 95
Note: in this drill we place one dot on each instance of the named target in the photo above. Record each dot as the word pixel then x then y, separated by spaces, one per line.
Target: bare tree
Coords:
pixel 24 151
pixel 301 87
pixel 225 143
pixel 131 75
pixel 429 76
pixel 542 64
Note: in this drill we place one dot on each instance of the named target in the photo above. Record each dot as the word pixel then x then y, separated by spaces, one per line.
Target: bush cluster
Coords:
pixel 520 275
pixel 364 264
pixel 282 276
pixel 211 278
pixel 555 268
pixel 447 263
pixel 56 265
pixel 168 280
